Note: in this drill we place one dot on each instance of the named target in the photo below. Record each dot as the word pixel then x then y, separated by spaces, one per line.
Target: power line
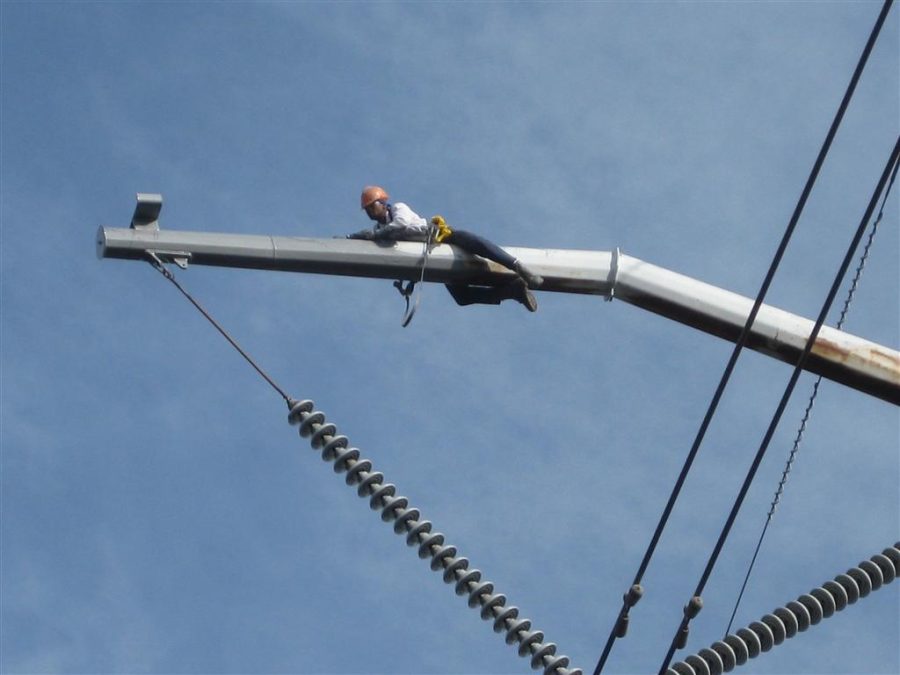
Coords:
pixel 695 603
pixel 812 398
pixel 634 593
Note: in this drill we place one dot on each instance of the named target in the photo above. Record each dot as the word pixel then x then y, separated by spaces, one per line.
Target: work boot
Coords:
pixel 533 280
pixel 520 293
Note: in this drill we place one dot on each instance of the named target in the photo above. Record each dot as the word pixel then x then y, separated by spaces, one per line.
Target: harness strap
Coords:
pixel 405 292
pixel 438 231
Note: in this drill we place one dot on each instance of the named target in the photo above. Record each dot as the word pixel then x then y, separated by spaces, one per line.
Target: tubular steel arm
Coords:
pixel 863 365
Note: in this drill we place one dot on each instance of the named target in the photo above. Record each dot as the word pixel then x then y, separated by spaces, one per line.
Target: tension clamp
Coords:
pixel 613 274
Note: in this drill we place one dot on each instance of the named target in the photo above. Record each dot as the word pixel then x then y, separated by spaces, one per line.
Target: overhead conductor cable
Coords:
pixel 634 593
pixel 812 397
pixel 695 603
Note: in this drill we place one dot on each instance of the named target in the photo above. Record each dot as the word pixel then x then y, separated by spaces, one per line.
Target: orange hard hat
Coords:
pixel 373 193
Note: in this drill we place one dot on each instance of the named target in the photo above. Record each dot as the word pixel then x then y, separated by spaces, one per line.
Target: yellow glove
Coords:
pixel 443 230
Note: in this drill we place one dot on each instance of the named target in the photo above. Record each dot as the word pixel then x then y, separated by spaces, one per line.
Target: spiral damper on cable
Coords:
pixel 794 618
pixel 430 545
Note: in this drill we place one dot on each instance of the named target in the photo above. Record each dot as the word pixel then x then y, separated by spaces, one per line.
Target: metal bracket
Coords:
pixel 613 274
pixel 146 213
pixel 180 258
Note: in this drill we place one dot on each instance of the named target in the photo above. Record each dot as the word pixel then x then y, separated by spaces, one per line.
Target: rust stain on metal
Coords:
pixel 874 358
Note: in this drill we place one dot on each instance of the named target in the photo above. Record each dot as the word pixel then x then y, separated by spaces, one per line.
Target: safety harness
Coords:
pixel 438 231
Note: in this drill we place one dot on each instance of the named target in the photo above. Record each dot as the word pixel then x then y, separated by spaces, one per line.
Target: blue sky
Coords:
pixel 158 513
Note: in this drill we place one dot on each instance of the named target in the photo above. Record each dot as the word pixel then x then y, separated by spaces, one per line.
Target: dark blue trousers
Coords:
pixel 465 294
pixel 472 243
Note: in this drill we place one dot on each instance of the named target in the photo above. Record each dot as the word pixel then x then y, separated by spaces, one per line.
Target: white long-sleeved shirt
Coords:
pixel 404 223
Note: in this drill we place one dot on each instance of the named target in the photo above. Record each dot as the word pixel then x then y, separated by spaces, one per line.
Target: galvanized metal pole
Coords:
pixel 863 365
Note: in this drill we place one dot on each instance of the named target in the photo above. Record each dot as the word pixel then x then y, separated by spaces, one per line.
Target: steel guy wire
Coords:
pixel 812 398
pixel 161 268
pixel 695 604
pixel 635 592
